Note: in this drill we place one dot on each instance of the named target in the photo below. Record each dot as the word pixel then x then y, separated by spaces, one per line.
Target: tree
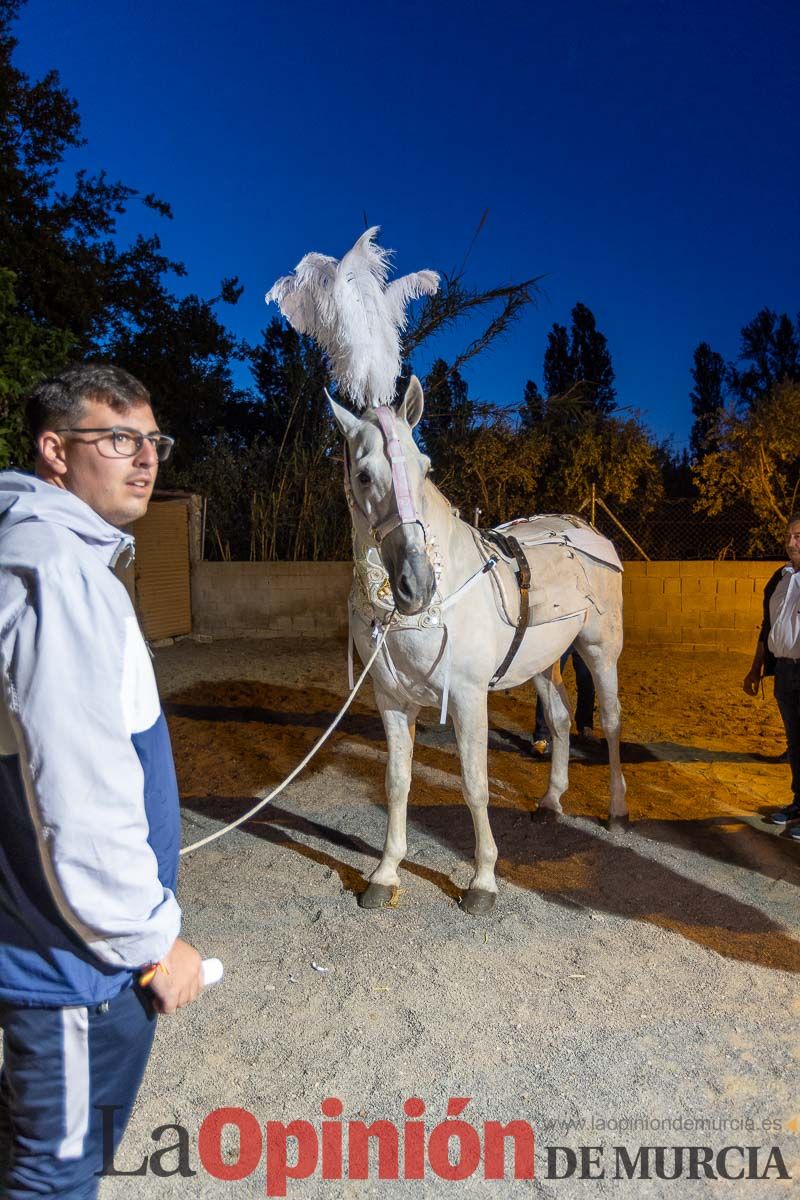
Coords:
pixel 61 245
pixel 27 353
pixel 455 301
pixel 591 361
pixel 558 366
pixel 182 353
pixel 756 461
pixel 72 273
pixel 577 363
pixel 532 413
pixel 770 350
pixel 617 455
pixel 496 469
pixel 707 397
pixel 676 471
pixel 449 414
pixel 291 376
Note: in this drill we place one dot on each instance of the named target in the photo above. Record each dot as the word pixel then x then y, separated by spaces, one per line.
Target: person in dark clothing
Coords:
pixel 778 653
pixel 584 708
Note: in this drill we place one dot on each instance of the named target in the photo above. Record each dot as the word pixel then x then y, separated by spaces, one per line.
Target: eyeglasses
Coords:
pixel 127 442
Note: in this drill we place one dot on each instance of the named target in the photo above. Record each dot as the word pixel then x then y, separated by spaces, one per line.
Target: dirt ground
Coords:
pixel 625 986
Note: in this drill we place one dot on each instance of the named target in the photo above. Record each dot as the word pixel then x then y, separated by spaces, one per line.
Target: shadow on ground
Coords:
pixel 568 863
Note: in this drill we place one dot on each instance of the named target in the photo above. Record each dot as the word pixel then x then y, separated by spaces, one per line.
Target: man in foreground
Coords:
pixel 778 651
pixel 89 818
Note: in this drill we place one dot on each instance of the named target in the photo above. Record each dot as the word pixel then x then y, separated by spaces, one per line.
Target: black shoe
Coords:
pixel 782 816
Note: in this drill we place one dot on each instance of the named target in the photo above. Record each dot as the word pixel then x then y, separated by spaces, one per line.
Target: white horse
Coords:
pixel 404 529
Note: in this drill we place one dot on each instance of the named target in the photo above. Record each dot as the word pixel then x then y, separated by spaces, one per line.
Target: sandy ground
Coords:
pixel 624 981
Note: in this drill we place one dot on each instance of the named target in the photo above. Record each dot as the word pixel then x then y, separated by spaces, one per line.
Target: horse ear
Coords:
pixel 413 402
pixel 348 422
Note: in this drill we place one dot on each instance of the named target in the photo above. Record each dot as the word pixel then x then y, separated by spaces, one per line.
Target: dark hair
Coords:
pixel 58 402
pixel 793 520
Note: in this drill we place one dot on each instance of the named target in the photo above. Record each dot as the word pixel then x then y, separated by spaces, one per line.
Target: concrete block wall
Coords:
pixel 270 599
pixel 703 605
pixel 708 605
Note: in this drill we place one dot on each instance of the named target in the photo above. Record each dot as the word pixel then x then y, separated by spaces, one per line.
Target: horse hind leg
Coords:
pixel 554 700
pixel 602 662
pixel 399 725
pixel 471 722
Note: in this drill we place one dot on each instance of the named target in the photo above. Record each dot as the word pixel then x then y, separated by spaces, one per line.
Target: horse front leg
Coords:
pixel 471 721
pixel 553 696
pixel 399 726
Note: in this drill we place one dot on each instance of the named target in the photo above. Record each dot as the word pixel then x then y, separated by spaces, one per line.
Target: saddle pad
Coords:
pixel 566 529
pixel 554 546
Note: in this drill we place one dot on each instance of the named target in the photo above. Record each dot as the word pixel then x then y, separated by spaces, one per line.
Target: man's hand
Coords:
pixel 183 983
pixel 751 682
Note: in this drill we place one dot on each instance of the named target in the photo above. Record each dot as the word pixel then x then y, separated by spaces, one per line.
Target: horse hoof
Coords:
pixel 478 902
pixel 545 815
pixel 619 824
pixel 377 895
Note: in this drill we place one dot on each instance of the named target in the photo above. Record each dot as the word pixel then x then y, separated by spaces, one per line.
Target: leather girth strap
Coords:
pixel 524 581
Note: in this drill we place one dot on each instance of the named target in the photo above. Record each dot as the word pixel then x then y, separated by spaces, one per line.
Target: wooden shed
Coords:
pixel 167 541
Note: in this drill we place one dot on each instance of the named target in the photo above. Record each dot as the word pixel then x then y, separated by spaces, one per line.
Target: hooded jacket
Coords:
pixel 89 816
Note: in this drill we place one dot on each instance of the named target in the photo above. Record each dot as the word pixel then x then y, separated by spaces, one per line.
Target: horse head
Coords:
pixel 386 478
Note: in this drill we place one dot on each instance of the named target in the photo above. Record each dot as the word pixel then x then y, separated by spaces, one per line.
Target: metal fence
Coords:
pixel 675 531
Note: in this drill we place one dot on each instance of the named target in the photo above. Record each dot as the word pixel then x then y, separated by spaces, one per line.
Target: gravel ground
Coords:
pixel 647 977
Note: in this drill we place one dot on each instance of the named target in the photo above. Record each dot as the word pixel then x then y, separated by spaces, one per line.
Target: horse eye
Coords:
pixel 364 477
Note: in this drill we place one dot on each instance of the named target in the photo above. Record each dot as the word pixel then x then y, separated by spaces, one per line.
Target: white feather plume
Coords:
pixel 357 319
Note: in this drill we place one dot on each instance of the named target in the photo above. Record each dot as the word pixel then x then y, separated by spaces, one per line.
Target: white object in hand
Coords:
pixel 211 971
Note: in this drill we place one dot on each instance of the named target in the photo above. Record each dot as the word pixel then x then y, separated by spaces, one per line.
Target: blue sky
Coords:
pixel 643 156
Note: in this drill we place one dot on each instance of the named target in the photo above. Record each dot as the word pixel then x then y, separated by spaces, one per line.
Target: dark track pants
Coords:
pixel 787 696
pixel 584 709
pixel 58 1064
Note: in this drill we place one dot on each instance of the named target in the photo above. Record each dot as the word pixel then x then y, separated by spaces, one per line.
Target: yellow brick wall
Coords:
pixel 713 605
pixel 692 604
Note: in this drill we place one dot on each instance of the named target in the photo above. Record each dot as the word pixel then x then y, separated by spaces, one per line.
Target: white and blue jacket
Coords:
pixel 89 817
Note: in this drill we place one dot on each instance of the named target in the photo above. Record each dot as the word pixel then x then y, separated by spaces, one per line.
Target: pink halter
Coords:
pixel 405 513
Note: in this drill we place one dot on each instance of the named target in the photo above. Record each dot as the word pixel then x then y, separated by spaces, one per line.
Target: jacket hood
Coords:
pixel 26 498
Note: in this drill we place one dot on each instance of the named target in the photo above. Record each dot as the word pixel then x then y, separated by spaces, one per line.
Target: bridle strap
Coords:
pixel 402 489
pixel 405 512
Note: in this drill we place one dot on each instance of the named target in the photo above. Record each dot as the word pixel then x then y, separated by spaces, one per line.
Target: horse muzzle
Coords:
pixel 412 580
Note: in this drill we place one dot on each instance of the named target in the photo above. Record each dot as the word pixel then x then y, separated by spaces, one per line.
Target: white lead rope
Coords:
pixel 380 635
pixel 212 837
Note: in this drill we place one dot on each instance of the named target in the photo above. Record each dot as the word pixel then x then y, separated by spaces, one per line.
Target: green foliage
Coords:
pixel 577 363
pixel 27 354
pixel 61 245
pixel 770 354
pixel 532 412
pixel 265 505
pixel 291 376
pixel 708 398
pixel 756 461
pixel 496 469
pixel 454 301
pixel 449 413
pixel 619 457
pixel 268 459
pixel 75 279
pixel 182 353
